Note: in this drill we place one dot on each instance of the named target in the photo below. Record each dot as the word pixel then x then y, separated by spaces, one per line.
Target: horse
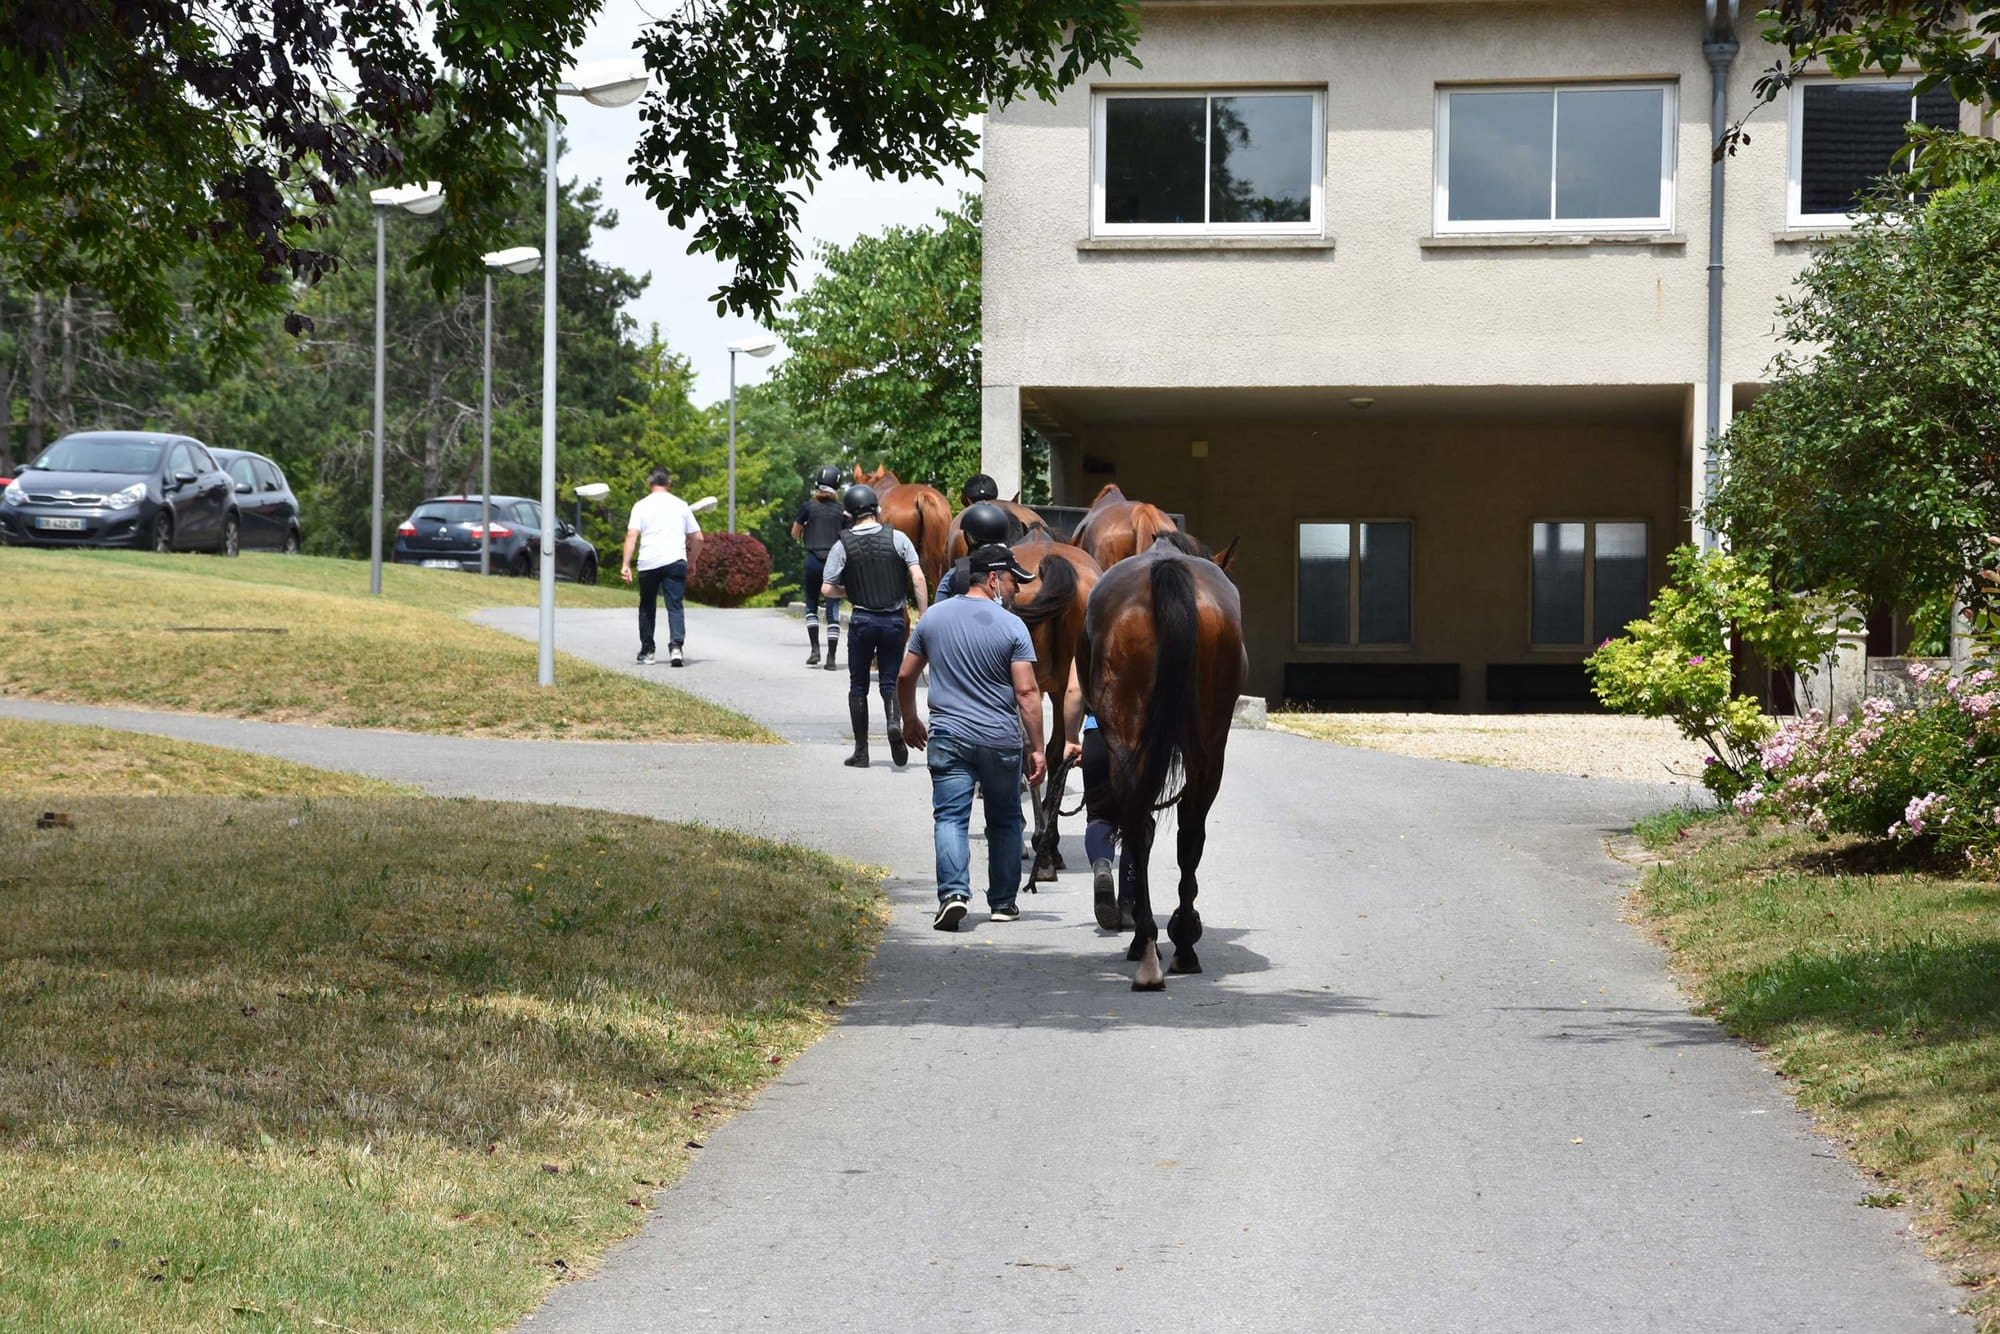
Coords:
pixel 1114 529
pixel 1021 521
pixel 1053 608
pixel 918 512
pixel 1161 662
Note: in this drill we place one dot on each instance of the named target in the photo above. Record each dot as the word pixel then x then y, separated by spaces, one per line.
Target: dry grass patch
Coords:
pixel 1588 745
pixel 1877 992
pixel 279 638
pixel 375 1063
pixel 45 761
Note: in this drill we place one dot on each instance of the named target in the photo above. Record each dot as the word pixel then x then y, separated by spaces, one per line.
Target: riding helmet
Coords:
pixel 979 487
pixel 983 523
pixel 858 500
pixel 827 478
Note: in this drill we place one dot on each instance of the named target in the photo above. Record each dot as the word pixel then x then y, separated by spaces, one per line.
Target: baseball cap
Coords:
pixel 993 557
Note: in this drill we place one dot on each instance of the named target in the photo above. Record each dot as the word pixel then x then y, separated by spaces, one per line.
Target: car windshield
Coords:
pixel 448 511
pixel 132 457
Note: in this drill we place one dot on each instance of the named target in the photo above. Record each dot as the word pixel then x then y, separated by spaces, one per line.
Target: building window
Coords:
pixel 1354 583
pixel 1586 575
pixel 1845 137
pixel 1589 157
pixel 1222 163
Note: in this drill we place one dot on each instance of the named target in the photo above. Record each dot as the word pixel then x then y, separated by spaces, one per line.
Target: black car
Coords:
pixel 264 501
pixel 443 534
pixel 123 489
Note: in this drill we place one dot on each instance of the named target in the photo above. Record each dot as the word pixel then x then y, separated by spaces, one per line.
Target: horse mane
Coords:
pixel 1109 491
pixel 1185 543
pixel 1056 591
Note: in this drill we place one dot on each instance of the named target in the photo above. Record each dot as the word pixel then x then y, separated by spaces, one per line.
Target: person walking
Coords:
pixel 981 523
pixel 983 701
pixel 667 539
pixel 876 568
pixel 817 527
pixel 1112 894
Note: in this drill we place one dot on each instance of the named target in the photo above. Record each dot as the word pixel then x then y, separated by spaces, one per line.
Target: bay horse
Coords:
pixel 1053 607
pixel 1115 529
pixel 918 512
pixel 1162 662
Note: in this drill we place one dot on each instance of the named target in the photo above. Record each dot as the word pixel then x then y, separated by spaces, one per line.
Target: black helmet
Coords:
pixel 826 478
pixel 979 487
pixel 859 500
pixel 983 523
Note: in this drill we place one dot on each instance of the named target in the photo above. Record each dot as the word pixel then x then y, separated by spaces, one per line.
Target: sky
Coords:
pixel 845 205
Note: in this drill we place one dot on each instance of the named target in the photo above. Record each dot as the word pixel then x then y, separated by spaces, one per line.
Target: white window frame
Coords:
pixel 1441 223
pixel 1315 225
pixel 1795 129
pixel 1590 526
pixel 1353 643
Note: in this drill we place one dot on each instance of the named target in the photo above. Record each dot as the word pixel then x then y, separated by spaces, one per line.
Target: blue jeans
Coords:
pixel 956 768
pixel 672 581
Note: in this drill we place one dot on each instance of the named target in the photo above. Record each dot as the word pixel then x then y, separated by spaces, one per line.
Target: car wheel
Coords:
pixel 232 537
pixel 518 567
pixel 163 532
pixel 292 542
pixel 588 575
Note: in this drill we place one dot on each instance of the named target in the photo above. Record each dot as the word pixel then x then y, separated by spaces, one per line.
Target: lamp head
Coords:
pixel 591 491
pixel 421 200
pixel 762 345
pixel 705 503
pixel 606 83
pixel 520 259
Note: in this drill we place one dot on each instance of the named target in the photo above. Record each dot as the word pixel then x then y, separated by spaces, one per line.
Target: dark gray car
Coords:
pixel 264 501
pixel 123 489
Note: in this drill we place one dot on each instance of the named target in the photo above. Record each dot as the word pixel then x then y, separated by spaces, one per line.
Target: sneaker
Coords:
pixel 949 914
pixel 645 659
pixel 1009 913
pixel 674 658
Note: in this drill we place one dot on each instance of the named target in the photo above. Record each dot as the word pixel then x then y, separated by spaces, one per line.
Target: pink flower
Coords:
pixel 1696 660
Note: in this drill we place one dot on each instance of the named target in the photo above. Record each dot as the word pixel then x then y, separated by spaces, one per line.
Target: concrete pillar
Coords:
pixel 1839 682
pixel 1698 451
pixel 1000 436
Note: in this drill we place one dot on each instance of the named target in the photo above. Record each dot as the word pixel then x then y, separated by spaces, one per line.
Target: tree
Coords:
pixel 210 142
pixel 1872 465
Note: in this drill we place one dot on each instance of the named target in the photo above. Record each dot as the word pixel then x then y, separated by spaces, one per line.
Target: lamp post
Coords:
pixel 587 491
pixel 603 83
pixel 420 200
pixel 521 259
pixel 760 346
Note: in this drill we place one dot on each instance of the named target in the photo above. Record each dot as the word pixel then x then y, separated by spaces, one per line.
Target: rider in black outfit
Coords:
pixel 978 487
pixel 877 568
pixel 818 526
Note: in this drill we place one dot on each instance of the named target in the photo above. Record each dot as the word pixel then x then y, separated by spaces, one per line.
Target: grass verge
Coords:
pixel 1875 988
pixel 297 639
pixel 372 1062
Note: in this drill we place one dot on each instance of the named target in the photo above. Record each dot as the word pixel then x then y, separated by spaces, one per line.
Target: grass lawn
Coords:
pixel 316 1060
pixel 1875 988
pixel 298 639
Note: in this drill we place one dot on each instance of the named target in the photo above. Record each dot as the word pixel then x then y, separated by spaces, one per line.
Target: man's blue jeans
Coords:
pixel 956 768
pixel 670 580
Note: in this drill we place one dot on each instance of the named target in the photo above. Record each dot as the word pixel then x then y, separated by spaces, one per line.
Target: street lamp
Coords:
pixel 420 200
pixel 603 83
pixel 588 491
pixel 521 259
pixel 763 345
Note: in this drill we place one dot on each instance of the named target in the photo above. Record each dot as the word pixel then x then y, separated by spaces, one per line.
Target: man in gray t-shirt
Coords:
pixel 983 695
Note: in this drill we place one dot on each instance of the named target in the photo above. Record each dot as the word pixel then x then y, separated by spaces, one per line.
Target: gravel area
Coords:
pixel 1583 745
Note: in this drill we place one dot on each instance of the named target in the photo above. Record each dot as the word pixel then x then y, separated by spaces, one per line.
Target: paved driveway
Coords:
pixel 1429 1082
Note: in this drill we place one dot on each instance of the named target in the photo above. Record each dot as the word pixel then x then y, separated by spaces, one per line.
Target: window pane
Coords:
pixel 1937 109
pixel 241 470
pixel 1608 152
pixel 1155 159
pixel 1385 583
pixel 1619 584
pixel 1558 576
pixel 1499 165
pixel 1261 170
pixel 1323 566
pixel 1851 134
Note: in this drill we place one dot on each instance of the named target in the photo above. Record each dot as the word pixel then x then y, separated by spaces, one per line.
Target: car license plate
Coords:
pixel 65 525
pixel 439 564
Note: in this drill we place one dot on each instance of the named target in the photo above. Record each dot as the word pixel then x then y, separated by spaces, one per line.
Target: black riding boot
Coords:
pixel 833 648
pixel 857 714
pixel 899 752
pixel 812 633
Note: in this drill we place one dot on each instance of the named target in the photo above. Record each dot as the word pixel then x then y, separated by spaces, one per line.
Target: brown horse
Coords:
pixel 1162 662
pixel 918 512
pixel 1116 529
pixel 1021 521
pixel 1053 608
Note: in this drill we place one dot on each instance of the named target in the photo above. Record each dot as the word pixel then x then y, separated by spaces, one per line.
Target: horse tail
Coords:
pixel 1177 631
pixel 1055 591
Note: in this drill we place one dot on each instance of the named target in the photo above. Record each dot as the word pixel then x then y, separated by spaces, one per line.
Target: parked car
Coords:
pixel 123 489
pixel 264 501
pixel 443 534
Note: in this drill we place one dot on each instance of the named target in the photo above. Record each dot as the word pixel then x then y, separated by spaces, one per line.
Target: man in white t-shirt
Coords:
pixel 668 540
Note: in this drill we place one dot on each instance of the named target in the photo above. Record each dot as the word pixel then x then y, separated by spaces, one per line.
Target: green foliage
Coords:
pixel 1675 663
pixel 1873 463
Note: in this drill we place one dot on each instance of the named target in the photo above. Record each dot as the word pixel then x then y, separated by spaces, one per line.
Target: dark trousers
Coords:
pixel 1100 835
pixel 672 581
pixel 879 636
pixel 815 576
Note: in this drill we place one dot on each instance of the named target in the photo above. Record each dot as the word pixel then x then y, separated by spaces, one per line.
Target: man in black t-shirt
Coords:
pixel 818 526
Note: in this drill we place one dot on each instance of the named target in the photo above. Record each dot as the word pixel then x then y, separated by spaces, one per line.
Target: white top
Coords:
pixel 663 521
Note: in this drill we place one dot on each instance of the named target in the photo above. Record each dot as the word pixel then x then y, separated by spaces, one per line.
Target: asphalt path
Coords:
pixel 1430 1079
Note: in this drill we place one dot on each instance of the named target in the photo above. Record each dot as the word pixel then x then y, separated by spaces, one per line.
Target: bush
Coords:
pixel 733 568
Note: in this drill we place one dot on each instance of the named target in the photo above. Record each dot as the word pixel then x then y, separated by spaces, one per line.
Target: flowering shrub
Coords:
pixel 1921 773
pixel 733 567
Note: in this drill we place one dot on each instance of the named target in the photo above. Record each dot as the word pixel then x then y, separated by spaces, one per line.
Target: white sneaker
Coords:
pixel 674 658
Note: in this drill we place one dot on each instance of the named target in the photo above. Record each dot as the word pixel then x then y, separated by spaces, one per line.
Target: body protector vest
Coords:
pixel 822 525
pixel 875 577
pixel 959 579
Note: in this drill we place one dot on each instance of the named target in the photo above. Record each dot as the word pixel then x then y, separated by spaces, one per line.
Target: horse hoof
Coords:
pixel 1157 984
pixel 1150 978
pixel 1184 962
pixel 1045 873
pixel 1137 950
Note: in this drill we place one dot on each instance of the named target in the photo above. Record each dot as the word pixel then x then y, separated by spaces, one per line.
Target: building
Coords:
pixel 1415 299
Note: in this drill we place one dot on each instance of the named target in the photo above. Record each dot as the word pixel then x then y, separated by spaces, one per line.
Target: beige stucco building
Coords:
pixel 1414 299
